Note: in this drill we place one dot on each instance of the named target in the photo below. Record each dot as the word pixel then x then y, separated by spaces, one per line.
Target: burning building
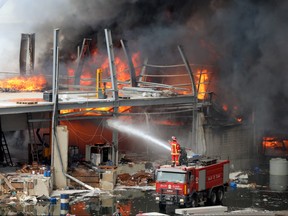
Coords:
pixel 234 108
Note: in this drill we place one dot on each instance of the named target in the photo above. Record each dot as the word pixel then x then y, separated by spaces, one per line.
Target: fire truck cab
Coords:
pixel 187 186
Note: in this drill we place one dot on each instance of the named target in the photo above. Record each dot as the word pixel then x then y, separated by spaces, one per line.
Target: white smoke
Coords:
pixel 25 16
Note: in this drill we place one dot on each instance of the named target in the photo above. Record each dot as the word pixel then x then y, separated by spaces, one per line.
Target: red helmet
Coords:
pixel 173 138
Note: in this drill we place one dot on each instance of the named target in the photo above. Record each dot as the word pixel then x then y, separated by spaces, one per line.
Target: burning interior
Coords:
pixel 225 117
pixel 89 76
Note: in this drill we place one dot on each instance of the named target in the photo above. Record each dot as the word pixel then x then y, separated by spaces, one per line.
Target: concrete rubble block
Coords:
pixel 89 179
pixel 124 177
pixel 83 171
pixel 130 168
pixel 202 210
pixel 20 185
pixel 107 202
pixel 105 185
pixel 85 175
pixel 42 186
pixel 140 178
pixel 109 176
pixel 142 175
pixel 94 184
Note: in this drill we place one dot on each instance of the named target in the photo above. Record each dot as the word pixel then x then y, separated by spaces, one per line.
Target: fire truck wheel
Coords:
pixel 162 206
pixel 213 198
pixel 194 202
pixel 220 195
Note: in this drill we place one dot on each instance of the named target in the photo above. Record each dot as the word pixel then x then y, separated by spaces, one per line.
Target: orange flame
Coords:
pixel 202 83
pixel 121 67
pixel 95 111
pixel 32 83
pixel 87 75
pixel 273 142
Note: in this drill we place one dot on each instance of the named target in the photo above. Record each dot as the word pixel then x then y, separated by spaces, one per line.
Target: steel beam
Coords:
pixel 130 63
pixel 195 93
pixel 115 93
pixel 23 53
pixel 111 63
pixel 81 60
pixel 48 106
pixel 55 94
pixel 55 62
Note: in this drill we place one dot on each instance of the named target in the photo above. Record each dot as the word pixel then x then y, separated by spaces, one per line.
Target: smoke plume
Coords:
pixel 245 40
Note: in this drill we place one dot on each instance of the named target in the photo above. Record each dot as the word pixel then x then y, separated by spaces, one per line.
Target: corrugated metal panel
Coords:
pixel 202 180
pixel 233 143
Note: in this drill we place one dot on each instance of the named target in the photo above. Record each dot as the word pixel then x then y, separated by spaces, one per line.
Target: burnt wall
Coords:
pixel 234 143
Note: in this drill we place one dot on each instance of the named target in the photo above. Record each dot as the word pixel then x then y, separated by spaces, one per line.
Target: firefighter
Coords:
pixel 175 151
pixel 117 213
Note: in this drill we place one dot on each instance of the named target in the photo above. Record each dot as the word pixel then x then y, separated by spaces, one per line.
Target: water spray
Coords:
pixel 125 128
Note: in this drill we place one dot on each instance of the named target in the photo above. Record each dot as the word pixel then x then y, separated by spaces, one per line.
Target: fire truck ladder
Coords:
pixel 5 150
pixel 32 138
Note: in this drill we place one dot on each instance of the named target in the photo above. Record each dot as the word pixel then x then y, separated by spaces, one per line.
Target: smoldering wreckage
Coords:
pixel 141 99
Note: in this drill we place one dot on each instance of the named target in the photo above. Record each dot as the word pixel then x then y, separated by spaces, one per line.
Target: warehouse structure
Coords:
pixel 208 129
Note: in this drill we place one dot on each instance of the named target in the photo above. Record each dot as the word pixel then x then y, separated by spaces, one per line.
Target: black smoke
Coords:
pixel 245 40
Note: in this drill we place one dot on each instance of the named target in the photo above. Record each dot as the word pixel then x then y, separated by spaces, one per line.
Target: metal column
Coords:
pixel 81 59
pixel 115 93
pixel 55 92
pixel 195 94
pixel 27 46
pixel 130 63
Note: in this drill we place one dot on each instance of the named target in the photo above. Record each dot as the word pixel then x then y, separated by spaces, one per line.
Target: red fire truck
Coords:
pixel 205 180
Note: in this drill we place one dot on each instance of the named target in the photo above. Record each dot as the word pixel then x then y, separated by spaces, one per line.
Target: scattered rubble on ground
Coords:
pixel 240 179
pixel 141 178
pixel 84 174
pixel 28 184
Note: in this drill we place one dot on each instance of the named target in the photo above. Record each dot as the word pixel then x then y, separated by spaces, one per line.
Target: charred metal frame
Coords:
pixel 130 63
pixel 27 45
pixel 195 99
pixel 81 59
pixel 116 102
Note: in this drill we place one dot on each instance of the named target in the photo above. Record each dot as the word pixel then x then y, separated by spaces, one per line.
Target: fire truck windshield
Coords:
pixel 170 177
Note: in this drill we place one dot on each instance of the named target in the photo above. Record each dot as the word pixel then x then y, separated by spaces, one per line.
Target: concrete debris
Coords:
pixel 35 168
pixel 146 92
pixel 141 178
pixel 239 177
pixel 85 175
pixel 27 199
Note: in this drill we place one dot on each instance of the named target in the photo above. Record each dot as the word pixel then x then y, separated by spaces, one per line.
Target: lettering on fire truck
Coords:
pixel 213 177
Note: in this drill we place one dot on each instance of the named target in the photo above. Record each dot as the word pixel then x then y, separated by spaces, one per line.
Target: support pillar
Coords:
pixel 60 156
pixel 115 93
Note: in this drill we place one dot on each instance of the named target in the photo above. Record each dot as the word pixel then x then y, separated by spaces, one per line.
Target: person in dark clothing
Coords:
pixel 183 160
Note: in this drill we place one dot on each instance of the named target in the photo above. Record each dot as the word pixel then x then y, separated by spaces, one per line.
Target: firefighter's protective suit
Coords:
pixel 175 151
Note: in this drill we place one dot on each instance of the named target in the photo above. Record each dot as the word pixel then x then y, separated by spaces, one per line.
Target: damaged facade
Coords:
pixel 208 129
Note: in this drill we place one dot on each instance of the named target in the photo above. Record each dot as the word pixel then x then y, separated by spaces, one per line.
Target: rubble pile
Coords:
pixel 85 175
pixel 35 168
pixel 141 178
